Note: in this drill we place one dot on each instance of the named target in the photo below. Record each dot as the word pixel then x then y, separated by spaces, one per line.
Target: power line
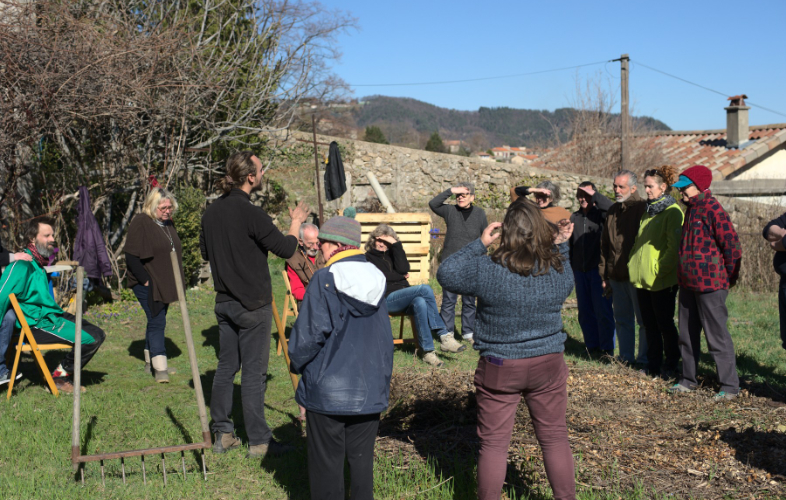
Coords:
pixel 705 88
pixel 477 79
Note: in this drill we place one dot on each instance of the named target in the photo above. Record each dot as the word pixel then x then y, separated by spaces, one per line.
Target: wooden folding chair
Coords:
pixel 28 344
pixel 290 306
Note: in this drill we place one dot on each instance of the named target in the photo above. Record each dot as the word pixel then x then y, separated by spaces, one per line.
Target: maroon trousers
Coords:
pixel 499 385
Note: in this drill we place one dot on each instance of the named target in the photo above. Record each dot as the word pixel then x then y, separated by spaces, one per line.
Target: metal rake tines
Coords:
pixel 122 455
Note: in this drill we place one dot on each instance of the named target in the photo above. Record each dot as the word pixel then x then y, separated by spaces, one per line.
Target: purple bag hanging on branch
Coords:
pixel 335 180
pixel 89 248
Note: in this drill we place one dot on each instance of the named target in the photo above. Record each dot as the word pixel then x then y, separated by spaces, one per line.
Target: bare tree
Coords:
pixel 106 94
pixel 593 147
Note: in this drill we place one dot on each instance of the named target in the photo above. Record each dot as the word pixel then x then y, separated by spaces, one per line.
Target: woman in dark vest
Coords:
pixel 151 239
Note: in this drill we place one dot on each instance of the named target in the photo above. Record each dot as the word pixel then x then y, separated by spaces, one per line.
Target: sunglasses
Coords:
pixel 463 195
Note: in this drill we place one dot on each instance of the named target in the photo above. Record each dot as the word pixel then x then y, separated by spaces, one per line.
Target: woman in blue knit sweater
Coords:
pixel 520 289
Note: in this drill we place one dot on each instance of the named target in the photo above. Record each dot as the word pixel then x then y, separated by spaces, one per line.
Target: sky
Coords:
pixel 729 47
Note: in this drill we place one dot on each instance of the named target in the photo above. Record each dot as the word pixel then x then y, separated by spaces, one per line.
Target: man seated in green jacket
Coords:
pixel 48 323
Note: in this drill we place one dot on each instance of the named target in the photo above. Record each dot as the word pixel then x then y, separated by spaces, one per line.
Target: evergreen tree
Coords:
pixel 435 143
pixel 374 134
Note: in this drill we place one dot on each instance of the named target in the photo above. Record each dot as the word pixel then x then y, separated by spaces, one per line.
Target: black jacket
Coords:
pixel 236 238
pixel 335 180
pixel 393 264
pixel 779 259
pixel 587 230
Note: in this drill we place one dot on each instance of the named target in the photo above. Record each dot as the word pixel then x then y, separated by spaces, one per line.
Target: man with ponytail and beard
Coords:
pixel 236 239
pixel 48 323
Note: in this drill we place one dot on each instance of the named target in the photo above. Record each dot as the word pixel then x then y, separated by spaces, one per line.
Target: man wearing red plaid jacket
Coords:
pixel 710 255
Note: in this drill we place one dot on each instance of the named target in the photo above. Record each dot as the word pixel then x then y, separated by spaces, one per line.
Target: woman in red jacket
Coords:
pixel 710 255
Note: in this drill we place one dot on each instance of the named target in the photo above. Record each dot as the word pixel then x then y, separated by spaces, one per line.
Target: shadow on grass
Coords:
pixel 763 450
pixel 291 469
pixel 773 387
pixel 29 367
pixel 236 415
pixel 211 338
pixel 187 439
pixel 576 349
pixel 752 366
pixel 136 349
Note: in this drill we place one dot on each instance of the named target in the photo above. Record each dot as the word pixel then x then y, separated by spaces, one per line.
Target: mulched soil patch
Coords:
pixel 625 430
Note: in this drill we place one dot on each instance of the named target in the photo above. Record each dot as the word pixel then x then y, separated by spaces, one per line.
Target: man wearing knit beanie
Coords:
pixel 342 231
pixel 342 345
pixel 710 255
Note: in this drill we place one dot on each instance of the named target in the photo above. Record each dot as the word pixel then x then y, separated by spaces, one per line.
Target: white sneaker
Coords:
pixel 6 378
pixel 430 358
pixel 448 343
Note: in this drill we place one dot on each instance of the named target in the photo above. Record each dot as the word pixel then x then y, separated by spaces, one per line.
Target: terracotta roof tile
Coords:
pixel 706 147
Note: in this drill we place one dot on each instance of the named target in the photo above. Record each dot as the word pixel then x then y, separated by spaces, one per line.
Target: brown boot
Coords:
pixel 225 441
pixel 272 449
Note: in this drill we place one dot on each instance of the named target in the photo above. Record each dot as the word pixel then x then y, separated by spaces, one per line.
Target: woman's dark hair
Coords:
pixel 32 227
pixel 239 167
pixel 527 241
pixel 666 174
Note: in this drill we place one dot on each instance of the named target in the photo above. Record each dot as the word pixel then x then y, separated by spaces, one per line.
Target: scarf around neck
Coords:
pixel 37 256
pixel 655 207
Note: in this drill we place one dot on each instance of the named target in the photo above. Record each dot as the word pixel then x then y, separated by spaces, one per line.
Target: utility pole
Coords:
pixel 625 137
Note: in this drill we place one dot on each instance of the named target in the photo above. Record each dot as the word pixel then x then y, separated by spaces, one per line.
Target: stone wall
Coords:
pixel 411 177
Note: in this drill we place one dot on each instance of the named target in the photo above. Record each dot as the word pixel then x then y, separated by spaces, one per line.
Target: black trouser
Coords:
pixel 657 314
pixel 244 339
pixel 782 309
pixel 707 310
pixel 330 439
pixel 88 350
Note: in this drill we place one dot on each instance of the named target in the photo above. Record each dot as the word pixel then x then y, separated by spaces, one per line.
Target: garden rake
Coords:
pixel 77 459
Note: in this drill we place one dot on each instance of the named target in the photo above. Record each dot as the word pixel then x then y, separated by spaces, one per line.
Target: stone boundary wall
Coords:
pixel 411 177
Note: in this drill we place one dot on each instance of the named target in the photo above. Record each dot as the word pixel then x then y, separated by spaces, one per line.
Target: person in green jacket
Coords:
pixel 653 271
pixel 48 323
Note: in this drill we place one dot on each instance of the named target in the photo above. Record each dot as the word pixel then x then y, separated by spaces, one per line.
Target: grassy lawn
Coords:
pixel 124 409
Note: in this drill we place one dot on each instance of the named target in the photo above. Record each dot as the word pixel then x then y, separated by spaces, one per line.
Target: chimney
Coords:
pixel 737 121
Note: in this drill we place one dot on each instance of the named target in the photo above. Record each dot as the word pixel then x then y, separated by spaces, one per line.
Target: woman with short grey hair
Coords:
pixel 546 194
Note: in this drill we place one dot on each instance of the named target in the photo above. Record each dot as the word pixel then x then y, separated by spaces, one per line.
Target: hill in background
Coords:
pixel 409 122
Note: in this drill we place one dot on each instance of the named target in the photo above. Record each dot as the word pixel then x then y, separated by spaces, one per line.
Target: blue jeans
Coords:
pixel 156 325
pixel 626 315
pixel 468 309
pixel 596 316
pixel 419 301
pixel 6 330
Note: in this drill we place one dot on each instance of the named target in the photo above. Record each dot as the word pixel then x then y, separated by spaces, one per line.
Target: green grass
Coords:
pixel 123 410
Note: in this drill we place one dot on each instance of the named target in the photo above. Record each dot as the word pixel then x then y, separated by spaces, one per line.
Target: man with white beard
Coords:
pixel 619 234
pixel 48 323
pixel 306 261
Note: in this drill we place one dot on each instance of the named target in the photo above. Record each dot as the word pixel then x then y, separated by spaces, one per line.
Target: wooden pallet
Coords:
pixel 413 231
